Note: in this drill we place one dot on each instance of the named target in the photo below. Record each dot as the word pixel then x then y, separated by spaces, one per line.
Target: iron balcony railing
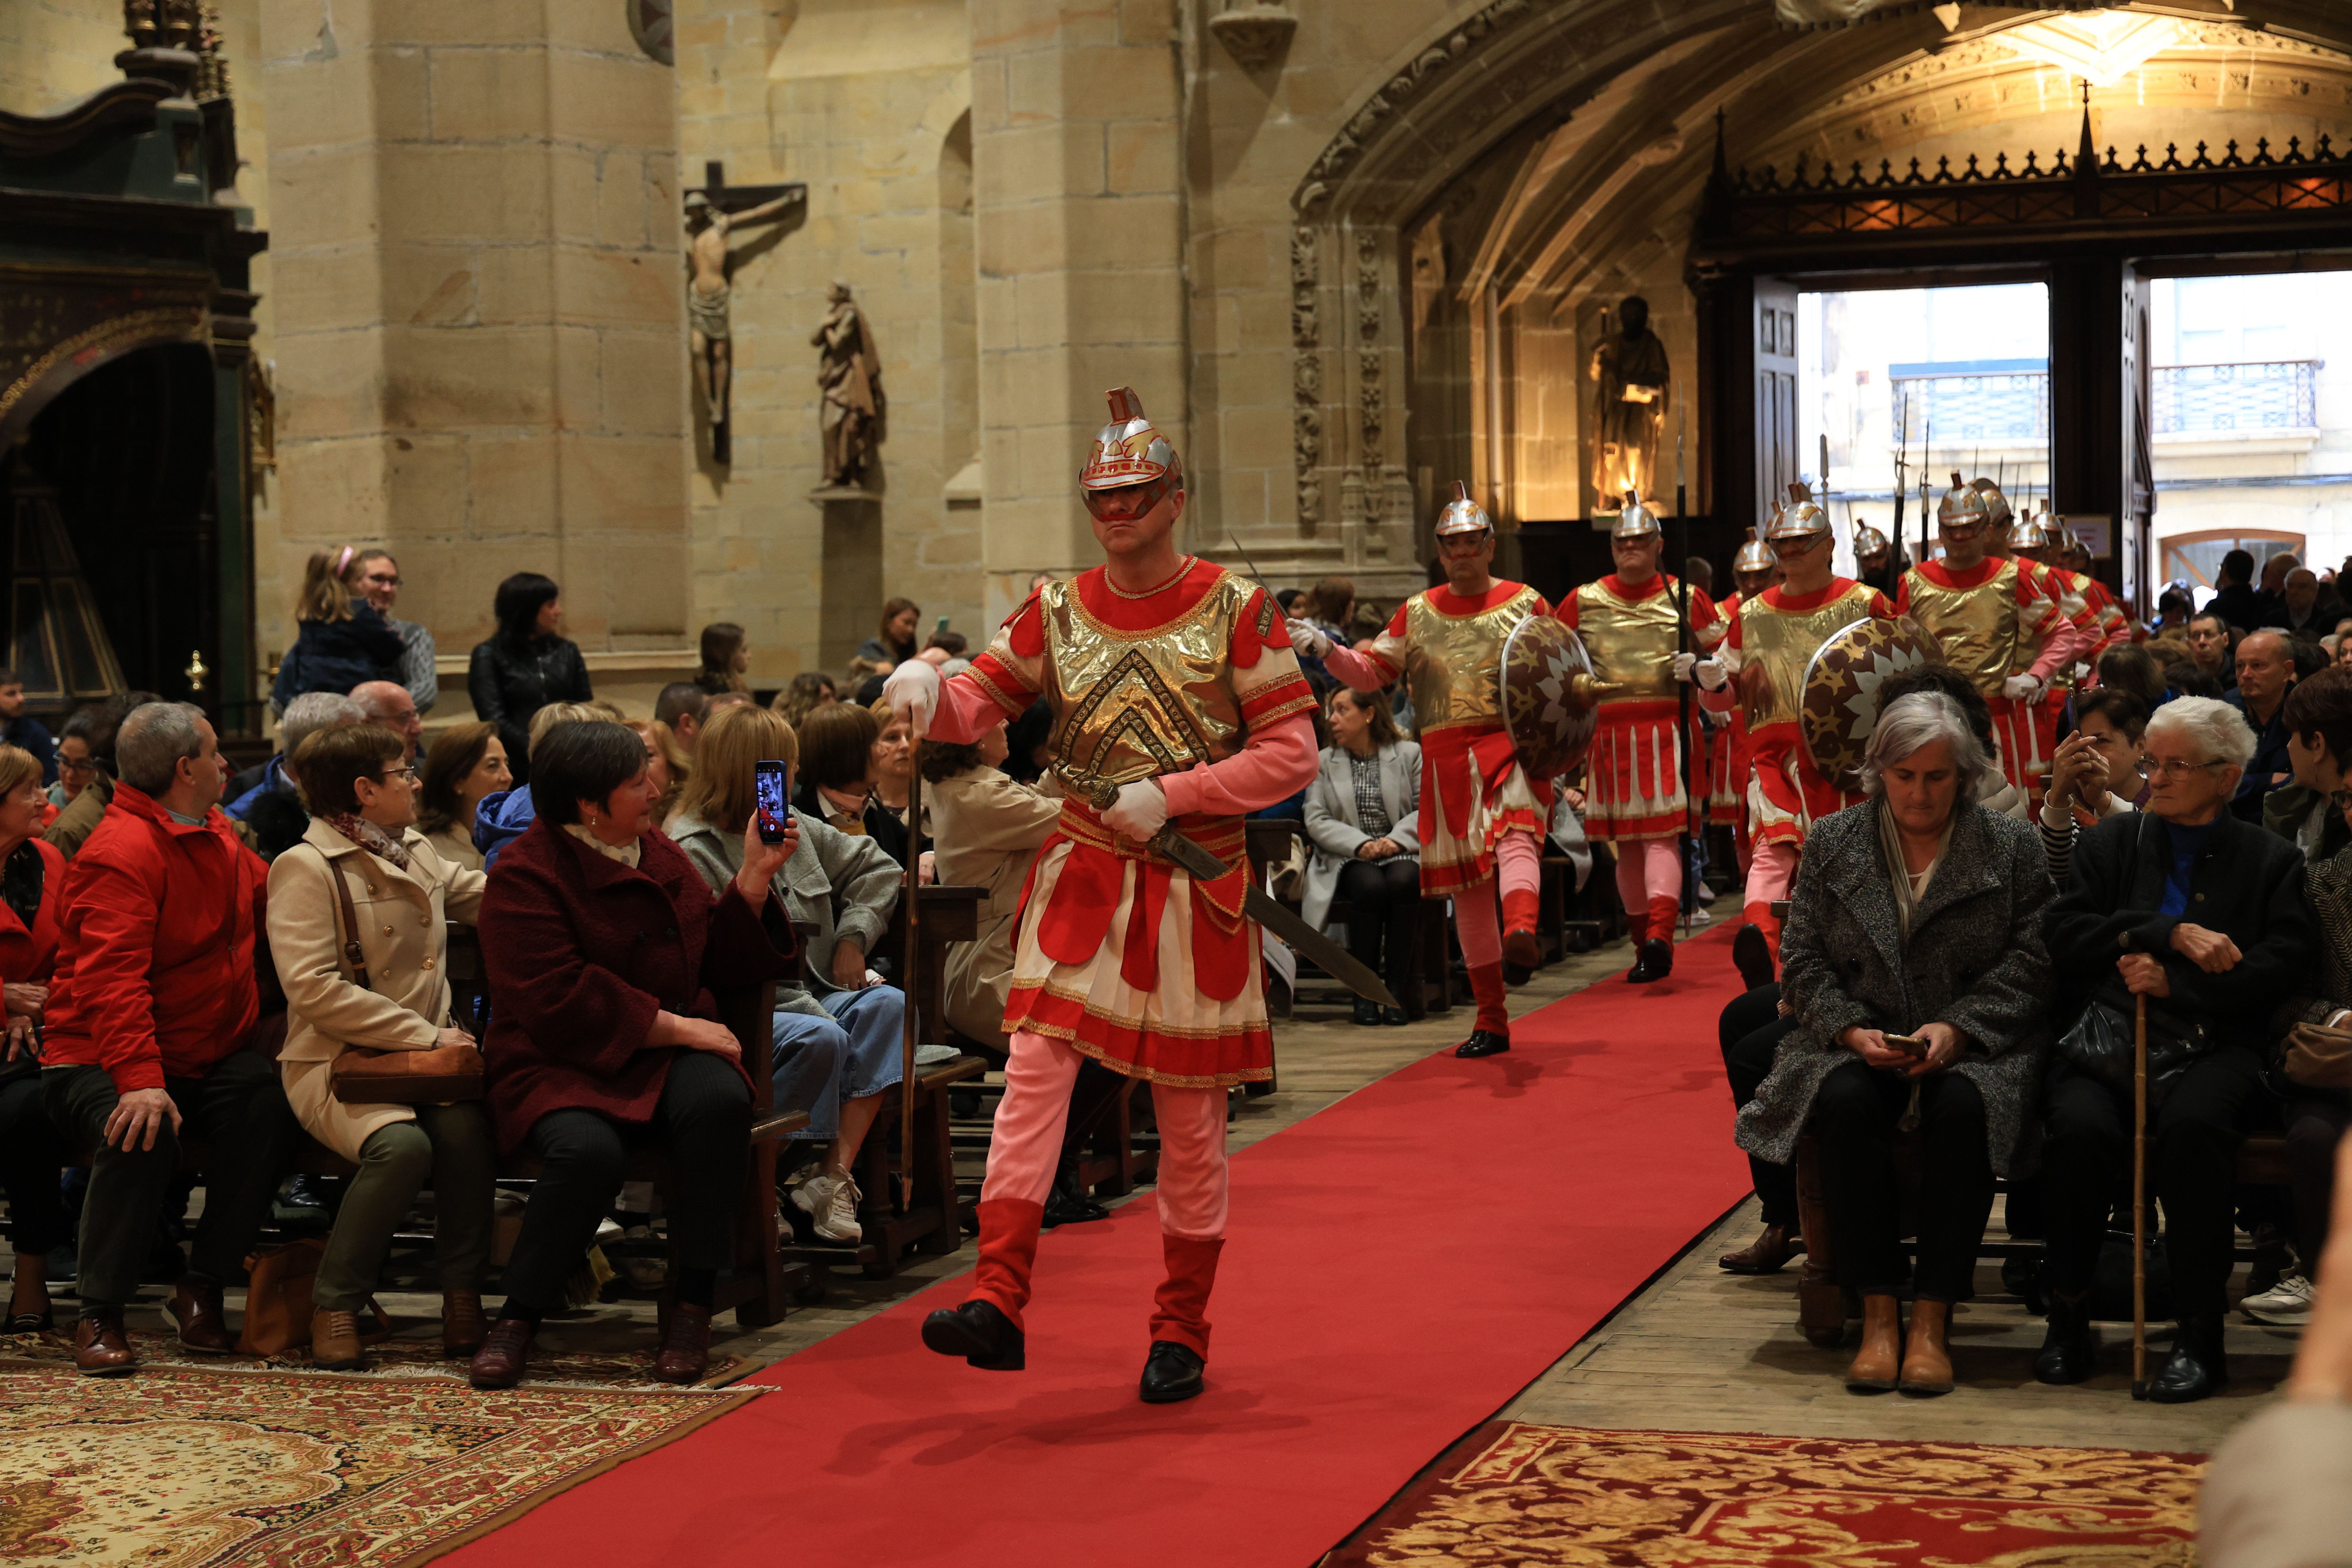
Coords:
pixel 1978 406
pixel 2224 399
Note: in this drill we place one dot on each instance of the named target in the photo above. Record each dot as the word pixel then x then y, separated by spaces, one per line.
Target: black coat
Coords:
pixel 510 683
pixel 2248 885
pixel 2240 605
pixel 336 656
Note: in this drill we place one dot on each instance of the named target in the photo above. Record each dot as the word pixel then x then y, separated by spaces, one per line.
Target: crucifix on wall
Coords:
pixel 713 212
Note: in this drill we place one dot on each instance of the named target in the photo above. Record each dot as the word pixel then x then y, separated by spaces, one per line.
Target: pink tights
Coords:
pixel 1770 873
pixel 1518 869
pixel 1027 1143
pixel 1649 870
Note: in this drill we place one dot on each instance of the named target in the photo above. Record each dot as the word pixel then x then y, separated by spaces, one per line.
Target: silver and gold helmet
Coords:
pixel 1868 541
pixel 2025 533
pixel 1462 515
pixel 1962 511
pixel 1129 450
pixel 1998 512
pixel 1754 556
pixel 1637 522
pixel 1801 519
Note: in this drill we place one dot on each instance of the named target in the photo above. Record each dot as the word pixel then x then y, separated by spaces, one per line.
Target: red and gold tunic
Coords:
pixel 1121 953
pixel 1473 790
pixel 1997 619
pixel 1635 772
pixel 1728 754
pixel 1771 642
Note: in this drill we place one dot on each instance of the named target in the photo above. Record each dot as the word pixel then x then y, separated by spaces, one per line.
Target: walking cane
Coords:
pixel 2139 1194
pixel 907 964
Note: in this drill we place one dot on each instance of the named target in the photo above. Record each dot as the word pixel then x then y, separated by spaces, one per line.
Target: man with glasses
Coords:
pixel 2202 916
pixel 388 705
pixel 379 581
pixel 2266 671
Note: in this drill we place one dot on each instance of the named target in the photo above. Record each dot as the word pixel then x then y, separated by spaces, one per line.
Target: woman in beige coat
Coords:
pixel 985 833
pixel 363 800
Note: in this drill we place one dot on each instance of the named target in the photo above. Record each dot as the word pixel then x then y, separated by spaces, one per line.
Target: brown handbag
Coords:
pixel 2319 1058
pixel 279 1291
pixel 435 1076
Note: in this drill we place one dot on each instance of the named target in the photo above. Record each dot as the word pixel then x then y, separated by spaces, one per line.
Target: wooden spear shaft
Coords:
pixel 907 963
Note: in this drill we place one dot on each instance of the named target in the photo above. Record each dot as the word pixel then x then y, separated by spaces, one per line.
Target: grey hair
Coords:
pixel 311 712
pixel 153 739
pixel 1922 719
pixel 2217 730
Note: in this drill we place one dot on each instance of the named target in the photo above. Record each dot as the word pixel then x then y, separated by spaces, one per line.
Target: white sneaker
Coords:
pixel 2287 1305
pixel 831 1203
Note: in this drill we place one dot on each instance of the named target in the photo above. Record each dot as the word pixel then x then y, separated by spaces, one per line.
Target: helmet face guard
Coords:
pixel 1130 503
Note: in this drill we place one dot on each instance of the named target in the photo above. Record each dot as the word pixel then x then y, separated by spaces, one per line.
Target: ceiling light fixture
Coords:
pixel 2104 46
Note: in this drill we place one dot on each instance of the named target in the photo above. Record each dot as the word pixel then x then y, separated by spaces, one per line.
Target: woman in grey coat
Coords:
pixel 839 1033
pixel 1363 816
pixel 1915 960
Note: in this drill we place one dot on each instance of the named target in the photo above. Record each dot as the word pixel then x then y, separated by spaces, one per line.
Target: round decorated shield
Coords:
pixel 1841 692
pixel 1549 696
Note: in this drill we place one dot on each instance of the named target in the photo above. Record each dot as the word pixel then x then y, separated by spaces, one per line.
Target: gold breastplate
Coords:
pixel 1454 665
pixel 1632 641
pixel 1979 628
pixel 1134 705
pixel 1776 646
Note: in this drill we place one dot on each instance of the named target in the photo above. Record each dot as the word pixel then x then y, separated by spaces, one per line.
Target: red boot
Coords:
pixel 1008 1254
pixel 1178 1310
pixel 1664 915
pixel 1491 1032
pixel 1520 913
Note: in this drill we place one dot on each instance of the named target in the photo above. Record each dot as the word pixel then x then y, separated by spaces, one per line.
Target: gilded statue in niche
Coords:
pixel 1632 387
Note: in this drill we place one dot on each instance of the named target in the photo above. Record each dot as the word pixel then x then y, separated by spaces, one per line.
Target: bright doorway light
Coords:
pixel 2104 46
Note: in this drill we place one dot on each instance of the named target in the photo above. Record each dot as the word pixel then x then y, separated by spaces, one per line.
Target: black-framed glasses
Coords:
pixel 408 772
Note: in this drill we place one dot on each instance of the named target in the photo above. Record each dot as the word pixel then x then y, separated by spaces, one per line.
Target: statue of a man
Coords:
pixel 849 378
pixel 708 295
pixel 1631 388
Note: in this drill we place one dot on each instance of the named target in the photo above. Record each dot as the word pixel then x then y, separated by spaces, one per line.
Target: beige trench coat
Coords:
pixel 403 937
pixel 985 830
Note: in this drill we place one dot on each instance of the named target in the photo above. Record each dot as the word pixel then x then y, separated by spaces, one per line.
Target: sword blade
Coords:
pixel 1341 965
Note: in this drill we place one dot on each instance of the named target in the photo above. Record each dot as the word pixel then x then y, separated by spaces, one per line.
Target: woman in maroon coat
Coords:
pixel 602 945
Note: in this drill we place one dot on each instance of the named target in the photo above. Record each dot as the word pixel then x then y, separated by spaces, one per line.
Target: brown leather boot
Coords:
pixel 506 1351
pixel 1768 1254
pixel 335 1341
pixel 197 1310
pixel 462 1323
pixel 1881 1357
pixel 684 1345
pixel 100 1347
pixel 1928 1352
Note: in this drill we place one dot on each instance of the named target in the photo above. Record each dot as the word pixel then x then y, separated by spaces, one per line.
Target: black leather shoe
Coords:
pixel 2070 1353
pixel 1656 961
pixel 981 1334
pixel 1393 1015
pixel 1367 1012
pixel 1483 1043
pixel 2195 1369
pixel 1172 1372
pixel 1067 1203
pixel 1751 954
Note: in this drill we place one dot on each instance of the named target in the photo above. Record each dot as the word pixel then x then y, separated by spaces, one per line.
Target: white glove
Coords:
pixel 2020 688
pixel 1141 810
pixel 1711 673
pixel 1309 642
pixel 1684 663
pixel 912 691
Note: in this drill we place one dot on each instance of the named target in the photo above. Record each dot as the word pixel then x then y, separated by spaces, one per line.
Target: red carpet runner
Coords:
pixel 1400 1266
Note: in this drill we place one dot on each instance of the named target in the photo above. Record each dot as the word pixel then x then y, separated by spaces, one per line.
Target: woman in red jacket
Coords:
pixel 603 946
pixel 32 1152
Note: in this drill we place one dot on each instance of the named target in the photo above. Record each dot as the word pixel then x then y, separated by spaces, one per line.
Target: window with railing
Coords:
pixel 1986 401
pixel 2237 399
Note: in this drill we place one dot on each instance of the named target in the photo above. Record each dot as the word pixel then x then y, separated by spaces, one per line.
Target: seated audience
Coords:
pixel 75 765
pixel 22 730
pixel 1998 794
pixel 602 1041
pixel 2266 668
pixel 682 705
pixel 2203 916
pixel 1363 816
pixel 951 651
pixel 526 664
pixel 667 760
pixel 466 765
pixel 987 830
pixel 379 580
pixel 387 704
pixel 2173 608
pixel 2213 643
pixel 343 640
pixel 839 1033
pixel 836 780
pixel 2305 604
pixel 272 807
pixel 2096 772
pixel 501 819
pixel 2313 1073
pixel 892 774
pixel 807 691
pixel 726 658
pixel 2129 667
pixel 153 1001
pixel 1940 1028
pixel 32 884
pixel 2236 602
pixel 894 645
pixel 362 857
pixel 73 824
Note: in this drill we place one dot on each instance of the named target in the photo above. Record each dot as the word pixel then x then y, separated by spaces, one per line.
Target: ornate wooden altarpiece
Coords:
pixel 2095 225
pixel 121 236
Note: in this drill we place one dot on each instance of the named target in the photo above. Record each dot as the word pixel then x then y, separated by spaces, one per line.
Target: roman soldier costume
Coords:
pixel 1730 756
pixel 1189 688
pixel 2001 622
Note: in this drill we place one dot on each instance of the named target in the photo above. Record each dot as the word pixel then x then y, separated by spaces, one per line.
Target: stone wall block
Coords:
pixel 512 488
pixel 325 195
pixel 333 288
pixel 330 384
pixel 614 287
pixel 463 193
pixel 1139 158
pixel 474 23
pixel 1018 239
pixel 329 487
pixel 1125 232
pixel 455 378
pixel 643 377
pixel 613 483
pixel 1117 84
pixel 1135 306
pixel 1021 163
pixel 606 101
pixel 513 284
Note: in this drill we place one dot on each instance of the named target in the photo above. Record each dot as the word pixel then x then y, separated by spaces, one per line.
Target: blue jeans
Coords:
pixel 855 1052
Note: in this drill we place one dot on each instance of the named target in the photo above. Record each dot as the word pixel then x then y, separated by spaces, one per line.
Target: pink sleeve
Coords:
pixel 1358 670
pixel 1275 764
pixel 966 712
pixel 2068 642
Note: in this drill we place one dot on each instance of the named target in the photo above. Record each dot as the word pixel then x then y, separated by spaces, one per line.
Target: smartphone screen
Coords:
pixel 774 810
pixel 1910 1044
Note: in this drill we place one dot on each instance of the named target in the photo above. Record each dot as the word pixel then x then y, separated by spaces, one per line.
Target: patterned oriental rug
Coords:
pixel 413 1354
pixel 1515 1494
pixel 178 1467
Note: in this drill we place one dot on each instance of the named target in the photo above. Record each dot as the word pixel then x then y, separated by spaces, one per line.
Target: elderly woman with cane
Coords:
pixel 1914 959
pixel 2203 917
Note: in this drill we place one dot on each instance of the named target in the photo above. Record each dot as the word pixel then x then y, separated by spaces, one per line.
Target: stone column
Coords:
pixel 479 312
pixel 1075 145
